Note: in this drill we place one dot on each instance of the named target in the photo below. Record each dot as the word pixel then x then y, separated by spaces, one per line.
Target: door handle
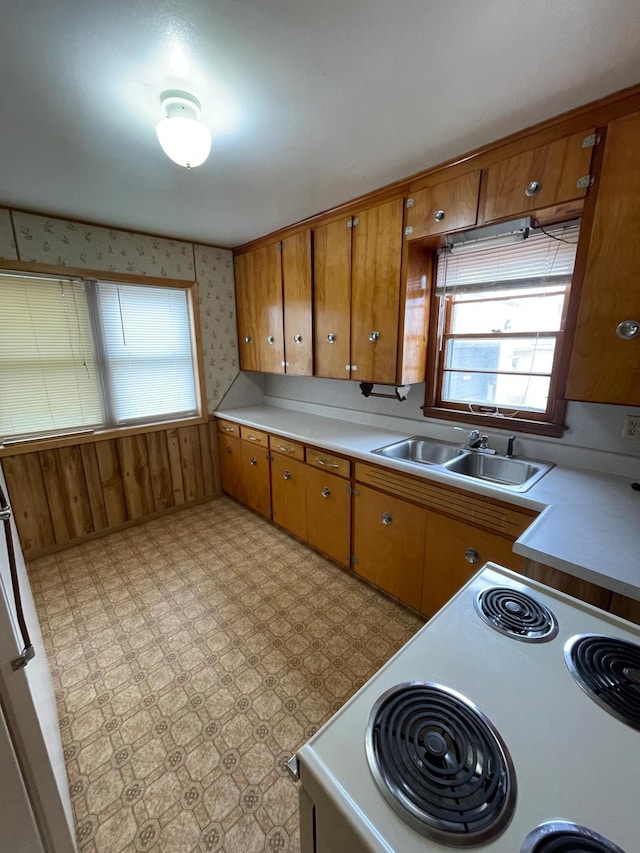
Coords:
pixel 28 652
pixel 325 463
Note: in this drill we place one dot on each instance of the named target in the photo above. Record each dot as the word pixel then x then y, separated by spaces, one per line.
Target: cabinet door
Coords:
pixel 288 494
pixel 388 544
pixel 255 478
pixel 375 292
pixel 455 551
pixel 605 368
pixel 445 207
pixel 247 310
pixel 259 307
pixel 539 178
pixel 332 299
pixel 329 514
pixel 296 284
pixel 231 466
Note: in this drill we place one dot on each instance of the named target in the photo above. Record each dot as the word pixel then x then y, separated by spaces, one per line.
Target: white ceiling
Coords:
pixel 311 102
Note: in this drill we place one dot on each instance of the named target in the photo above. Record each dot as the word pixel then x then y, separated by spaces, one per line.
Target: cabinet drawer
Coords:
pixel 485 512
pixel 445 207
pixel 255 436
pixel 292 449
pixel 334 464
pixel 228 428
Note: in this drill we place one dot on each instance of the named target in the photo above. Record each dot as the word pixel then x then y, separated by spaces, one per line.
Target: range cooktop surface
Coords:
pixel 554 757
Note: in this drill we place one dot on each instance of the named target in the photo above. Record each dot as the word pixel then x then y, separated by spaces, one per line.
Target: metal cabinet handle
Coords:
pixel 228 449
pixel 374 337
pixel 331 337
pixel 472 556
pixel 628 329
pixel 284 449
pixel 387 518
pixel 326 492
pixel 532 188
pixel 297 339
pixel 248 339
pixel 286 475
pixel 253 461
pixel 253 438
pixel 325 463
pixel 438 215
pixel 228 429
pixel 270 340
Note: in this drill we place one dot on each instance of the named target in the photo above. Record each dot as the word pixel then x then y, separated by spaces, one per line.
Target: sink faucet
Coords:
pixel 475 441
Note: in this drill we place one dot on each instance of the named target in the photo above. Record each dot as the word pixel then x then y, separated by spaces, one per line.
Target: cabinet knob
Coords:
pixel 472 556
pixel 248 340
pixel 374 336
pixel 331 337
pixel 628 329
pixel 286 475
pixel 387 518
pixel 253 461
pixel 438 215
pixel 228 449
pixel 270 340
pixel 297 339
pixel 326 492
pixel 533 187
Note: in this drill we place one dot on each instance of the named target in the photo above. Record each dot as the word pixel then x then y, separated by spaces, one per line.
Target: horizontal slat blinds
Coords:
pixel 542 259
pixel 47 372
pixel 146 335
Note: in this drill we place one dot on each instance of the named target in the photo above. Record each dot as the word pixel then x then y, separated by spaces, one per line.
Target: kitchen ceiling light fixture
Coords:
pixel 183 138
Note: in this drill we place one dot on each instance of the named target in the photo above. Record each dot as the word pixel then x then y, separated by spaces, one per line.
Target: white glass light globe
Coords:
pixel 184 140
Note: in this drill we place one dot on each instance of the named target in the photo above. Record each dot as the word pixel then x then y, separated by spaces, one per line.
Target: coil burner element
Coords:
pixel 516 614
pixel 440 764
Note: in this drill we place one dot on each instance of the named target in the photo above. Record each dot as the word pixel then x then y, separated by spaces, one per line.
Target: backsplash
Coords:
pixel 593 440
pixel 65 243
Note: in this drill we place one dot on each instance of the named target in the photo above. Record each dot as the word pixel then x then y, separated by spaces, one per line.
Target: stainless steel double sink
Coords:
pixel 517 475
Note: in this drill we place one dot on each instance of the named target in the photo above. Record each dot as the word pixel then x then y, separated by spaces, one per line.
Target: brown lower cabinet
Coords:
pixel 388 543
pixel 256 477
pixel 289 494
pixel 454 552
pixel 231 467
pixel 328 499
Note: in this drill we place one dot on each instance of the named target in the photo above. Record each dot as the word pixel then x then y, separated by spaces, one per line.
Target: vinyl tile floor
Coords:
pixel 192 656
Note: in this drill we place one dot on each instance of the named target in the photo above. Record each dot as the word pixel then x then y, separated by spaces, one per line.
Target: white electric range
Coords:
pixel 472 737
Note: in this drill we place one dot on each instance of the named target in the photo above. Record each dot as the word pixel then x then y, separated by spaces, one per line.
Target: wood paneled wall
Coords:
pixel 62 495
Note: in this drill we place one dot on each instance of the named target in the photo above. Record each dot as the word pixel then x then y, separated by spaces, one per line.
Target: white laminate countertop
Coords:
pixel 589 523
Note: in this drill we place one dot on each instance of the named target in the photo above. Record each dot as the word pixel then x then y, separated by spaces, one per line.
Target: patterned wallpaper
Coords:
pixel 214 273
pixel 69 244
pixel 7 244
pixel 62 242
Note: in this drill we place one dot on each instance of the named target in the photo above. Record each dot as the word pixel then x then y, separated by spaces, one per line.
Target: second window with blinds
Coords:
pixel 501 305
pixel 79 356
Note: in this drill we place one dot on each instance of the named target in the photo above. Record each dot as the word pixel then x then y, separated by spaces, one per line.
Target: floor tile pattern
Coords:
pixel 191 657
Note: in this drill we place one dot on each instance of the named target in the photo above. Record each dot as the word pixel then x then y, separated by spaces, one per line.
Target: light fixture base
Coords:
pixel 177 103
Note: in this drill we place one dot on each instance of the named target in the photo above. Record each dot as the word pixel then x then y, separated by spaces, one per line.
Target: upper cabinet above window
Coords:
pixel 549 175
pixel 443 208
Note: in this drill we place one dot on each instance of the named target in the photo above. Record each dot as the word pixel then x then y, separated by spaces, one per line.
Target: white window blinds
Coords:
pixel 540 260
pixel 47 371
pixel 147 352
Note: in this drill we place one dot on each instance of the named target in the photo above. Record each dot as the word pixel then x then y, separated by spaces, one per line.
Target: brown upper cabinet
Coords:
pixel 605 365
pixel 358 295
pixel 445 207
pixel 274 304
pixel 549 175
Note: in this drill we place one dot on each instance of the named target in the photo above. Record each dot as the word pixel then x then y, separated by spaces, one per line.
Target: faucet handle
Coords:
pixel 474 435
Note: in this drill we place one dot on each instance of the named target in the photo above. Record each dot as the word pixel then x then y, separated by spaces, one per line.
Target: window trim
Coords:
pixel 29 444
pixel 550 423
